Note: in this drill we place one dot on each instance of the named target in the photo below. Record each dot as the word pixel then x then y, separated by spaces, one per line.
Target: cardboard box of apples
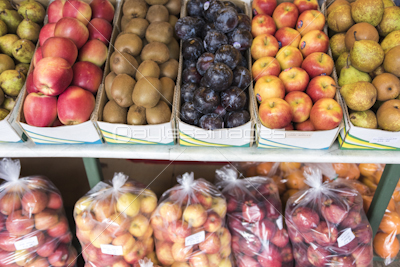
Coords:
pixel 66 73
pixel 298 106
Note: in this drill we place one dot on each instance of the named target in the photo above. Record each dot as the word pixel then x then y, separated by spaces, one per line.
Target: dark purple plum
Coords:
pixel 244 22
pixel 228 55
pixel 188 27
pixel 204 62
pixel 241 77
pixel 190 75
pixel 192 48
pixel 211 121
pixel 227 19
pixel 187 92
pixel 241 39
pixel 205 100
pixel 189 114
pixel 211 8
pixel 189 63
pixel 236 118
pixel 199 22
pixel 218 77
pixel 213 40
pixel 220 111
pixel 195 7
pixel 233 99
pixel 208 27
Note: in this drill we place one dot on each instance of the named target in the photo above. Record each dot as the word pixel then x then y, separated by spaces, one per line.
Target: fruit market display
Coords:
pixel 291 67
pixel 67 66
pixel 113 223
pixel 189 225
pixel 254 214
pixel 366 47
pixel 144 66
pixel 216 37
pixel 19 30
pixel 35 231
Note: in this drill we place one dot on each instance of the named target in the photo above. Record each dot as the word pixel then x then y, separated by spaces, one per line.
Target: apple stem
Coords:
pixel 322 55
pixel 355 38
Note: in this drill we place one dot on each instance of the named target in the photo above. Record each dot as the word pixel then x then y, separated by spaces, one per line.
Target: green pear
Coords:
pixel 6 43
pixel 29 30
pixel 3 113
pixel 9 103
pixel 359 96
pixel 32 10
pixel 364 119
pixel 6 63
pixel 349 75
pixel 23 50
pixel 341 61
pixel 370 11
pixel 5 4
pixel 11 81
pixel 23 68
pixel 338 45
pixel 392 61
pixel 3 28
pixel 11 18
pixel 387 3
pixel 391 40
pixel 340 20
pixel 390 21
pixel 1 96
pixel 366 55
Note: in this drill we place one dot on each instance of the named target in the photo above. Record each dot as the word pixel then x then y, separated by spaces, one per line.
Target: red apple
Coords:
pixel 19 224
pixel 180 252
pixel 59 256
pixel 314 41
pixel 164 253
pixel 281 238
pixel 301 105
pixel 59 229
pixel 235 225
pixel 55 201
pixel 78 10
pixel 331 211
pixel 352 220
pixel 38 262
pixel 264 45
pixel 211 244
pixel 285 15
pixel 75 105
pixel 178 231
pixel 303 5
pixel 198 260
pixel 325 235
pixel 37 56
pixel 87 76
pixel 205 199
pixel 318 256
pixel 195 215
pixel 304 126
pixel 363 255
pixel 235 244
pixel 310 20
pixel 85 221
pixel 30 87
pixel 272 207
pixel 213 223
pixel 94 51
pixel 321 87
pixel 55 11
pixel 46 219
pixel 7 241
pixel 300 255
pixel 266 7
pixel 252 212
pixel 102 9
pixel 40 110
pixel 60 47
pixel 170 211
pixel 318 64
pixel 275 113
pixel 288 37
pixel 343 261
pixel 265 66
pixel 48 247
pixel 66 239
pixel 289 57
pixel 262 24
pixel 304 219
pixel 34 201
pixel 294 79
pixel 289 127
pixel 100 29
pixel 363 232
pixel 9 202
pixel 287 255
pixel 250 245
pixel 270 257
pixel 246 261
pixel 268 86
pixel 46 32
pixel 73 29
pixel 326 114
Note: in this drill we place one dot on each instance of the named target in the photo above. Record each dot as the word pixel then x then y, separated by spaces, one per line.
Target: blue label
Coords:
pixel 258 98
pixel 303 44
pixel 255 12
pixel 323 74
pixel 288 69
pixel 300 24
pixel 280 44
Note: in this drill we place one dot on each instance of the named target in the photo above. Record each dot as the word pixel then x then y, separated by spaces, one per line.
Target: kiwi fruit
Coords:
pixel 159 32
pixel 135 9
pixel 108 83
pixel 147 92
pixel 167 90
pixel 157 13
pixel 155 51
pixel 137 26
pixel 172 20
pixel 173 48
pixel 121 90
pixel 129 43
pixel 136 115
pixel 123 63
pixel 148 68
pixel 174 7
pixel 169 69
pixel 124 21
pixel 156 2
pixel 145 42
pixel 113 113
pixel 161 113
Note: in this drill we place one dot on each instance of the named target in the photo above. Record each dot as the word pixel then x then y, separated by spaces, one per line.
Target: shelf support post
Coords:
pixel 93 171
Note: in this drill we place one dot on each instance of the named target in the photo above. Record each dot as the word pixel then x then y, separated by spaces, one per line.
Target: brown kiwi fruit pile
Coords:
pixel 144 66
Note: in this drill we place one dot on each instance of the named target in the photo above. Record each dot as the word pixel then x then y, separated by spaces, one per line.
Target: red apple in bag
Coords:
pixel 246 261
pixel 281 238
pixel 46 32
pixel 100 29
pixel 264 229
pixel 213 222
pixel 73 29
pixel 305 219
pixel 252 212
pixel 211 245
pixel 60 47
pixel 317 256
pixel 87 76
pixel 77 9
pixel 102 9
pixel 325 235
pixel 55 201
pixel 9 202
pixel 34 201
pixel 270 257
pixel 250 245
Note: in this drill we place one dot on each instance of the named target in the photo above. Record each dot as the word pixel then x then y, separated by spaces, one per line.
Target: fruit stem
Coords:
pixel 26 14
pixel 19 74
pixel 322 55
pixel 355 38
pixel 17 49
pixel 337 87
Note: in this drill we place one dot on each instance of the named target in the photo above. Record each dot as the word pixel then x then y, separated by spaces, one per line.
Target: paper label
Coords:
pixel 98 187
pixel 195 239
pixel 26 243
pixel 298 134
pixel 279 222
pixel 345 238
pixel 111 250
pixel 206 5
pixel 384 140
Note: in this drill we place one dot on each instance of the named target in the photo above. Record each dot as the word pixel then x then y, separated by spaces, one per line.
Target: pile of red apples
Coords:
pixel 34 229
pixel 68 63
pixel 291 67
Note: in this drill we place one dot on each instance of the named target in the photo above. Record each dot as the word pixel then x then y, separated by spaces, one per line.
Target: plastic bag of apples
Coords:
pixel 255 220
pixel 189 225
pixel 327 224
pixel 113 223
pixel 34 229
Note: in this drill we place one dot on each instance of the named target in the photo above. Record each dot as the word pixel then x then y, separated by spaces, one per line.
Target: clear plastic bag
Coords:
pixel 386 243
pixel 327 224
pixel 113 223
pixel 146 263
pixel 255 220
pixel 189 225
pixel 35 231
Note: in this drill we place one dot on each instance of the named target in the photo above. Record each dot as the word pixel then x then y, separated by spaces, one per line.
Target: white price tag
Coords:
pixel 26 243
pixel 195 239
pixel 111 250
pixel 206 5
pixel 384 140
pixel 98 187
pixel 279 222
pixel 345 238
